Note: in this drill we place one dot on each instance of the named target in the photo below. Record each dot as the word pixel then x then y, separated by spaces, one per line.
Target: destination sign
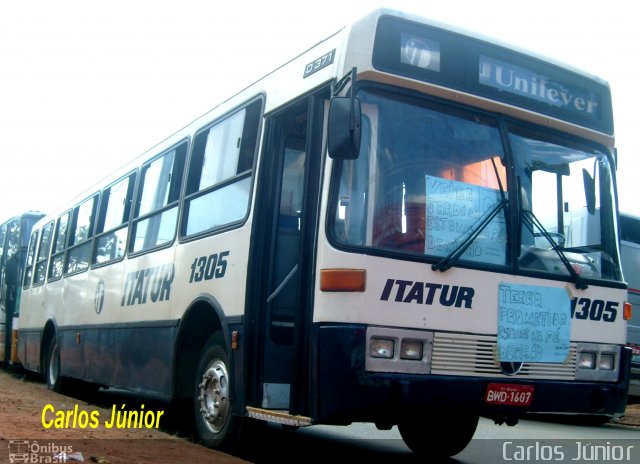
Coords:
pixel 526 83
pixel 474 66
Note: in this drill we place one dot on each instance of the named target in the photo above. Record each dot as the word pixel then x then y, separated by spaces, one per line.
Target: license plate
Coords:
pixel 506 394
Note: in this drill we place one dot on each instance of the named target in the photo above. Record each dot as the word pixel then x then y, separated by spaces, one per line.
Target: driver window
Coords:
pixel 426 175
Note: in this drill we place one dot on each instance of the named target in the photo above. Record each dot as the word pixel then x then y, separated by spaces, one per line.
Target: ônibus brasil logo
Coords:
pixel 26 451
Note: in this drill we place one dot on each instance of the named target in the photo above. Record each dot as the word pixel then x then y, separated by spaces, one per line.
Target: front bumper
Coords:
pixel 347 392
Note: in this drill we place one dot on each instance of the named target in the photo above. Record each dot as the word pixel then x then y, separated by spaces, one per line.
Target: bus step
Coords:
pixel 278 417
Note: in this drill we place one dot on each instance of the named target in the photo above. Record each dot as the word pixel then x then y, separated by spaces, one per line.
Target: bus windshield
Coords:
pixel 433 180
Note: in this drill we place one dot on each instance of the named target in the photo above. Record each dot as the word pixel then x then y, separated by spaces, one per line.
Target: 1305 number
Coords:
pixel 209 267
pixel 594 310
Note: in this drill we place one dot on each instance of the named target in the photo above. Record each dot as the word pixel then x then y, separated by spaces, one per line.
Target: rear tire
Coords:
pixel 432 435
pixel 215 424
pixel 52 367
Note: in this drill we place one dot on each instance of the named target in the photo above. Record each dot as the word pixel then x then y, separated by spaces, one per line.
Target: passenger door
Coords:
pixel 285 227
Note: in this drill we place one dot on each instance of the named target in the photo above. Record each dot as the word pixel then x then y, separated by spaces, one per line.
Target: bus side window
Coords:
pixel 220 172
pixel 59 245
pixel 156 212
pixel 115 209
pixel 81 232
pixel 28 271
pixel 43 254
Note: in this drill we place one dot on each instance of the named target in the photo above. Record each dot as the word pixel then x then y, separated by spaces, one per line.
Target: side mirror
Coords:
pixel 344 130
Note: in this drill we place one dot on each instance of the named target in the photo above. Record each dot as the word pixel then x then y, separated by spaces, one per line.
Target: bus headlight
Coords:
pixel 411 349
pixel 597 362
pixel 607 361
pixel 403 351
pixel 382 348
pixel 587 360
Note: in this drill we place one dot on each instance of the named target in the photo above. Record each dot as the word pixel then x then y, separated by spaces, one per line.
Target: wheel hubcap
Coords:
pixel 214 395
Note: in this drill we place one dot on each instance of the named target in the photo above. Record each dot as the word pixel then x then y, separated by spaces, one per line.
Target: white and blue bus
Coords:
pixel 389 228
pixel 14 239
pixel 630 255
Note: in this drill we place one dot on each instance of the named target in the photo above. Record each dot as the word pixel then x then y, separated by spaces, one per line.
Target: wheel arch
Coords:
pixel 203 317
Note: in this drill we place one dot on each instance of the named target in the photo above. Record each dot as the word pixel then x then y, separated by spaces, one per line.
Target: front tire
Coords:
pixel 216 426
pixel 441 436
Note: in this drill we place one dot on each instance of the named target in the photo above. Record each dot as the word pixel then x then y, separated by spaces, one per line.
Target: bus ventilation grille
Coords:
pixel 477 356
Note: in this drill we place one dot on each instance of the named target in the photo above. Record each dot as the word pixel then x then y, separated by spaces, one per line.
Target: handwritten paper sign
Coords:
pixel 534 323
pixel 453 209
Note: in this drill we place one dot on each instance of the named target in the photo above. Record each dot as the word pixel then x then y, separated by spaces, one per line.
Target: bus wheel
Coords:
pixel 443 436
pixel 217 427
pixel 54 380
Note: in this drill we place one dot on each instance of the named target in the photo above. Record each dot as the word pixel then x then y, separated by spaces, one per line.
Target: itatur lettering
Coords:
pixel 407 291
pixel 148 285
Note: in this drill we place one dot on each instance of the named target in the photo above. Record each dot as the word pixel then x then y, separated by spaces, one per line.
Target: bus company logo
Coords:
pixel 98 301
pixel 25 451
pixel 154 283
pixel 427 293
pixel 510 368
pixel 420 52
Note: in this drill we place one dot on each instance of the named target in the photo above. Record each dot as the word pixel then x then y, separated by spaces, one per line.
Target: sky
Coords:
pixel 86 86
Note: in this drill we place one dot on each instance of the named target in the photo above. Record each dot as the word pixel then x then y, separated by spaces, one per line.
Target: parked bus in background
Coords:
pixel 630 252
pixel 390 228
pixel 14 239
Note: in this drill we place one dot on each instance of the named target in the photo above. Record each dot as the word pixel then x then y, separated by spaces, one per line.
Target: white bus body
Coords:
pixel 14 239
pixel 630 255
pixel 421 275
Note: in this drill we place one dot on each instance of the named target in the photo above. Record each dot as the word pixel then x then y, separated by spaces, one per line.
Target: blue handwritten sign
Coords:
pixel 534 323
pixel 453 210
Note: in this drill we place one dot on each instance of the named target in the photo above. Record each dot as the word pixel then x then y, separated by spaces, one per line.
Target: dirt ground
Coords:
pixel 631 416
pixel 24 406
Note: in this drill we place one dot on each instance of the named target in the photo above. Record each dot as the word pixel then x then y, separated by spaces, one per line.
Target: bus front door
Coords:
pixel 283 239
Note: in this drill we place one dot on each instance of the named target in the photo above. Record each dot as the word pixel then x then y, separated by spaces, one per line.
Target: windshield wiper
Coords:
pixel 531 221
pixel 448 261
